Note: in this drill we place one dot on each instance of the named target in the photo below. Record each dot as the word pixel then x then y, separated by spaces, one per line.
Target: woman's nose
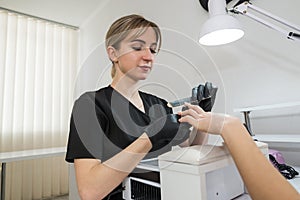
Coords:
pixel 147 54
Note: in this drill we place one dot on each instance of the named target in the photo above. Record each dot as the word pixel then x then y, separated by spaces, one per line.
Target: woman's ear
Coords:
pixel 112 53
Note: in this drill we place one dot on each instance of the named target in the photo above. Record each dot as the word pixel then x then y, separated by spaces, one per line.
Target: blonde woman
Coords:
pixel 113 128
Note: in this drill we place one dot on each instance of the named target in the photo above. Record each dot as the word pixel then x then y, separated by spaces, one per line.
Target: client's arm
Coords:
pixel 262 180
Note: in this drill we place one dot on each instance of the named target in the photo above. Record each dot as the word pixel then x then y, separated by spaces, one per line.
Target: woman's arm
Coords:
pixel 95 180
pixel 262 180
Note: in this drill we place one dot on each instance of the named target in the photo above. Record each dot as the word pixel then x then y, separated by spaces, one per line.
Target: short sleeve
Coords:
pixel 168 109
pixel 86 133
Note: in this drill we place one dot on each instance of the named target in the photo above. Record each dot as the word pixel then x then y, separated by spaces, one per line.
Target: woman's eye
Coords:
pixel 141 48
pixel 136 48
pixel 153 51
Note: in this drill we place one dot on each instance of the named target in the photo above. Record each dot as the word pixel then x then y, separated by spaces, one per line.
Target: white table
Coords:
pixel 246 111
pixel 25 155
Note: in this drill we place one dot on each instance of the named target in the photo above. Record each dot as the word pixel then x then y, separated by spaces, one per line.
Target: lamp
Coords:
pixel 244 7
pixel 220 28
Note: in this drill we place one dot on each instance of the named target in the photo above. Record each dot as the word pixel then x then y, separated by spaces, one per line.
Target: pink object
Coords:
pixel 277 155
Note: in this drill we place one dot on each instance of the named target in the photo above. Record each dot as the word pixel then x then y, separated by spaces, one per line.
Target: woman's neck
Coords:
pixel 129 89
pixel 125 86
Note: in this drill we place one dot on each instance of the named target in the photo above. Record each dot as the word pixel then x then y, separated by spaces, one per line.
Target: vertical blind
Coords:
pixel 38 65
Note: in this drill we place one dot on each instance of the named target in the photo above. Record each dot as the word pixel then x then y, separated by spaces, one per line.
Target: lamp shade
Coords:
pixel 220 29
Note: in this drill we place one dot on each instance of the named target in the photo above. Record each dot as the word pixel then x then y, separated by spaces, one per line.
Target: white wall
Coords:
pixel 262 68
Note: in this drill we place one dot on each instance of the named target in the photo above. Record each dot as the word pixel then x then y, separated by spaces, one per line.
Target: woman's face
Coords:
pixel 135 56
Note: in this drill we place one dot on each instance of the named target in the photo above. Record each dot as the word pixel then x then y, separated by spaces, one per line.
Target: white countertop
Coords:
pixel 31 154
pixel 284 138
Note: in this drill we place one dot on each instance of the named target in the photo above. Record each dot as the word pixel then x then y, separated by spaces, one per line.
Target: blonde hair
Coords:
pixel 123 26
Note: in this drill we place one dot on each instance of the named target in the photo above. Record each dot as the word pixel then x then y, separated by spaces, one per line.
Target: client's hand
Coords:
pixel 205 121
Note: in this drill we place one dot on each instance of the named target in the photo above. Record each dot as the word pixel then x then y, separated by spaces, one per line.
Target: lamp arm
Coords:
pixel 243 7
pixel 274 17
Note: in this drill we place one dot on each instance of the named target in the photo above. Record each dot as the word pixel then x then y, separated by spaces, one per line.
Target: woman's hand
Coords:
pixel 165 129
pixel 208 122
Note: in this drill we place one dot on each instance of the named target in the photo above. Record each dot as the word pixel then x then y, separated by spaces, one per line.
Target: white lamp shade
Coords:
pixel 220 29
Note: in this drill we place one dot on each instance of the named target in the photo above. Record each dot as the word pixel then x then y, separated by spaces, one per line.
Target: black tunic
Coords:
pixel 104 122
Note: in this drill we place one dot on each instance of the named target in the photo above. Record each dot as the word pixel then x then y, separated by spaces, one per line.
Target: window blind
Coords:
pixel 38 66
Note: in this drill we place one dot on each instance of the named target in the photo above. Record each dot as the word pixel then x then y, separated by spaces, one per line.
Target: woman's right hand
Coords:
pixel 208 122
pixel 165 129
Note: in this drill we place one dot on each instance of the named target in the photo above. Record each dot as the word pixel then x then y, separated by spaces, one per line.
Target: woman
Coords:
pixel 113 128
pixel 262 180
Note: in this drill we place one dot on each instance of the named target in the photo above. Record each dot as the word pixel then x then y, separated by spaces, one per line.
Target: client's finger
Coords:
pixel 196 108
pixel 189 112
pixel 189 119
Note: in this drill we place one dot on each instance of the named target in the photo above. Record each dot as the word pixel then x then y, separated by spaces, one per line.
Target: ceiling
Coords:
pixel 71 12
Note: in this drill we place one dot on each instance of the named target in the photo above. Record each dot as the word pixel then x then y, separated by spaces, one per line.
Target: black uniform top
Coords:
pixel 104 122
